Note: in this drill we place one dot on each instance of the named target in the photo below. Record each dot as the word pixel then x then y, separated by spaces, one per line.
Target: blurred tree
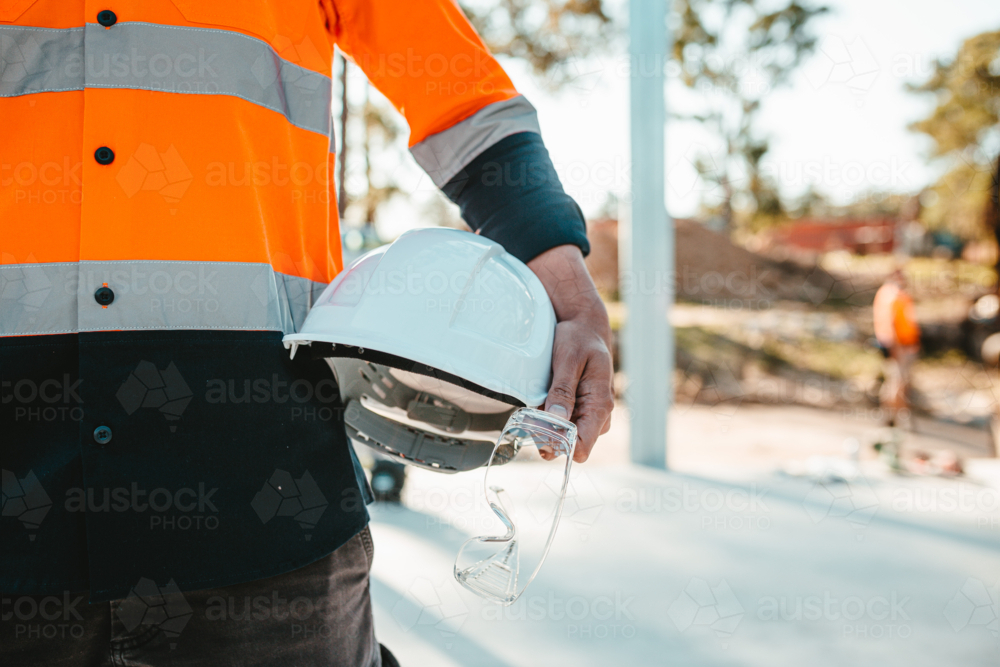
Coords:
pixel 370 133
pixel 871 204
pixel 550 35
pixel 382 130
pixel 736 52
pixel 993 206
pixel 965 132
pixel 993 216
pixel 812 204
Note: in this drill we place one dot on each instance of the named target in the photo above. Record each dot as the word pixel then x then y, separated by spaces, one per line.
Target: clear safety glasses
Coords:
pixel 527 498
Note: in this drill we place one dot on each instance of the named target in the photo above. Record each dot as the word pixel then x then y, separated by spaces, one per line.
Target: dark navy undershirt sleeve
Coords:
pixel 511 194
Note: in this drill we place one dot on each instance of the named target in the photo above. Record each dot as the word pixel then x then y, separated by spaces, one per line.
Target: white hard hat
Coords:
pixel 433 338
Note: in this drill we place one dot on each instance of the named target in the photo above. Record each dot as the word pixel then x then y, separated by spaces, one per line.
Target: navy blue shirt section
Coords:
pixel 512 195
pixel 223 461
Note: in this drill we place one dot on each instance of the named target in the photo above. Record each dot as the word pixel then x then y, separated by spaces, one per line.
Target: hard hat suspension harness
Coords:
pixel 359 377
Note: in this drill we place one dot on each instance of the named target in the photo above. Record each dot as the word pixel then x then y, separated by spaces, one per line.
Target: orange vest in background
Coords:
pixel 904 320
pixel 894 317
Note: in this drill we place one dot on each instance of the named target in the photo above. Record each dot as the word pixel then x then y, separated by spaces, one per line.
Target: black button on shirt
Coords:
pixel 104 296
pixel 104 155
pixel 107 18
pixel 102 435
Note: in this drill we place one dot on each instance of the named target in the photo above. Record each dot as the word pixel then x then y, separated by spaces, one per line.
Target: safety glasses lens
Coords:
pixel 526 496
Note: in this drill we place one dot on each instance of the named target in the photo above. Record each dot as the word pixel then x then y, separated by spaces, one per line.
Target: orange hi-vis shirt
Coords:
pixel 184 149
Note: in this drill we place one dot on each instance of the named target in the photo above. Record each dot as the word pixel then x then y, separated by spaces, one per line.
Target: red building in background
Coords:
pixel 873 235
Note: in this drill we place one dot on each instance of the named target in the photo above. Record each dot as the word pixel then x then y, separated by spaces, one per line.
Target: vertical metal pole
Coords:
pixel 648 353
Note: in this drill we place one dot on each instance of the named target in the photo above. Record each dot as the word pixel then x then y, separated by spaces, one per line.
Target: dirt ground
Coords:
pixel 710 268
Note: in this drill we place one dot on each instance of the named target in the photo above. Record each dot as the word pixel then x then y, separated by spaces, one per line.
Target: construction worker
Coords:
pixel 898 336
pixel 176 489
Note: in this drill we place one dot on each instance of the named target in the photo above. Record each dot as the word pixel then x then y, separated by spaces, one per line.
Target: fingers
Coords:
pixel 593 406
pixel 581 388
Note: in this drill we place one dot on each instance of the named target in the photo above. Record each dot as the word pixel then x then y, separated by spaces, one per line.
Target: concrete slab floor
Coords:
pixel 725 560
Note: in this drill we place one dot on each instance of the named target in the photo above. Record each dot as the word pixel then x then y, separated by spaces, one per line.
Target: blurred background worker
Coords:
pixel 898 335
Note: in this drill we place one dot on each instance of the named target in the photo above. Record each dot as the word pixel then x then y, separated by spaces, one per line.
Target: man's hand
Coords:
pixel 581 355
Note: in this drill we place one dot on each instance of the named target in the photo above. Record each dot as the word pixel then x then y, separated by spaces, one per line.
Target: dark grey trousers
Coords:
pixel 320 614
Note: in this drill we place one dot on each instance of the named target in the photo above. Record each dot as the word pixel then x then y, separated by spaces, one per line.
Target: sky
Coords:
pixel 841 124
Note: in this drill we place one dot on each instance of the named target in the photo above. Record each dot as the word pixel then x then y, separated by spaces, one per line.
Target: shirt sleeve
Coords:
pixel 425 57
pixel 464 114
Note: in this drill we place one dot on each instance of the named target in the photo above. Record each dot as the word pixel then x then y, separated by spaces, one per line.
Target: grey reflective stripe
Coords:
pixel 59 298
pixel 147 56
pixel 206 61
pixel 40 60
pixel 38 298
pixel 444 154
